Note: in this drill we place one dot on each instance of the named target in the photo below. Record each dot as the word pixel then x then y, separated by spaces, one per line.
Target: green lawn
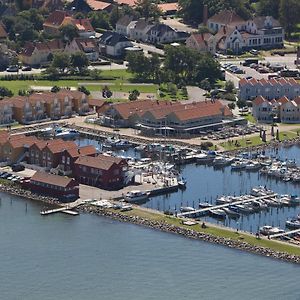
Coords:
pixel 244 142
pixel 216 231
pixel 250 118
pixel 287 135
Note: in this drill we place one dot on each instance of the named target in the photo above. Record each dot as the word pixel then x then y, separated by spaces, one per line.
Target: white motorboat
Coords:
pixel 203 158
pixel 293 224
pixel 231 213
pixel 66 134
pixel 182 183
pixel 135 196
pixel 217 213
pixel 253 166
pixel 187 209
pixel 238 165
pixel 269 230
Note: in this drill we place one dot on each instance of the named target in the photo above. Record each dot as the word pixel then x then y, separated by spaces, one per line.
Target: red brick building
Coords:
pixel 63 188
pixel 102 171
pixel 69 156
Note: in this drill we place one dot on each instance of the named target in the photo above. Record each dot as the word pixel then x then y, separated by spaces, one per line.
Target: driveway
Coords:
pixel 195 94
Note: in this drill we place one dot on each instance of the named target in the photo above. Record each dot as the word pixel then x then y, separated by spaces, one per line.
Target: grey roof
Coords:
pixel 141 24
pixel 111 38
pixel 160 28
pixel 125 20
pixel 260 22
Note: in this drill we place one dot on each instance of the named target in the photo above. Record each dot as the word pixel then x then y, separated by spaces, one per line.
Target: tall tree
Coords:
pixel 147 9
pixel 79 61
pixel 268 8
pixel 61 61
pixel 289 13
pixel 69 32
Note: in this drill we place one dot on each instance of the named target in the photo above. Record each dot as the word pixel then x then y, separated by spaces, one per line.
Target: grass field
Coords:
pixel 219 232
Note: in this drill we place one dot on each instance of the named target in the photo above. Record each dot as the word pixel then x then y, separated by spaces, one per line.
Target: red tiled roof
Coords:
pixel 166 7
pixel 3 33
pixel 101 162
pixel 56 18
pixel 259 100
pixel 56 146
pixel 98 5
pixel 51 179
pixel 272 81
pixel 126 2
pixel 42 46
pixel 83 24
pixel 85 150
pixel 283 100
pixel 96 102
pixel 201 38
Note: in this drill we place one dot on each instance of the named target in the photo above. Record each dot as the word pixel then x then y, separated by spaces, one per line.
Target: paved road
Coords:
pixel 113 66
pixel 149 48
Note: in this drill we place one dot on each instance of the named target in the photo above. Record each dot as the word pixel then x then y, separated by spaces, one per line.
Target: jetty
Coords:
pixel 278 235
pixel 66 209
pixel 207 209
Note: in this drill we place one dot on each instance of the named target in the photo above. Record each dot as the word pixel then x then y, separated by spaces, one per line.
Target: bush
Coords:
pixel 206 145
pixel 133 95
pixel 5 92
pixel 84 90
pixel 55 89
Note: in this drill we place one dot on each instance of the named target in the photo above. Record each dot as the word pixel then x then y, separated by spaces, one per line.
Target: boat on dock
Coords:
pixel 66 134
pixel 205 205
pixel 293 224
pixel 253 166
pixel 217 213
pixel 182 183
pixel 238 165
pixel 231 213
pixel 244 209
pixel 187 209
pixel 270 230
pixel 136 196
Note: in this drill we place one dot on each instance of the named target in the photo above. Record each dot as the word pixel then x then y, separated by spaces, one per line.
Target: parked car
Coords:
pixel 12 69
pixel 26 68
pixel 254 52
pixel 17 167
pixel 238 71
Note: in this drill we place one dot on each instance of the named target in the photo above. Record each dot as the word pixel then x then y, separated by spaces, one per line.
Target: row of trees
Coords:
pixel 62 62
pixel 180 65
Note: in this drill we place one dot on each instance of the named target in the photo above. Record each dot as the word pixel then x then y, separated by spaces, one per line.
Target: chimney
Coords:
pixel 205 15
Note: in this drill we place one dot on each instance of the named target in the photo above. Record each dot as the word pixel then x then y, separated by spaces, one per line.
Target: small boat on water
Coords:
pixel 217 213
pixel 182 183
pixel 203 158
pixel 293 224
pixel 205 205
pixel 238 165
pixel 295 200
pixel 66 133
pixel 245 209
pixel 269 230
pixel 253 166
pixel 187 209
pixel 135 196
pixel 231 213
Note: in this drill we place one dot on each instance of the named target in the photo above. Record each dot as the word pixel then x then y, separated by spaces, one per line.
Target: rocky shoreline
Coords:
pixel 189 233
pixel 157 225
pixel 18 191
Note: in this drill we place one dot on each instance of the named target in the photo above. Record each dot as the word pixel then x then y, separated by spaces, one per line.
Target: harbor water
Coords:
pixel 206 183
pixel 92 257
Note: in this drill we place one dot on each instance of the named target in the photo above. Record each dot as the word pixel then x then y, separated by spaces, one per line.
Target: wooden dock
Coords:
pixel 66 209
pixel 204 210
pixel 277 235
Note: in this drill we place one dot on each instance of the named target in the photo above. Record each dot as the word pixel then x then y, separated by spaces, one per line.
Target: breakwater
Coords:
pixel 190 233
pixel 159 225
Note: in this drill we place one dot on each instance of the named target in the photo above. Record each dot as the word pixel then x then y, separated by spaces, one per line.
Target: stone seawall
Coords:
pixel 189 233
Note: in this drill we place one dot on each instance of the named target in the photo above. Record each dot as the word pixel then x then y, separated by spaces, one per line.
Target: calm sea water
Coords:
pixel 91 257
pixel 206 183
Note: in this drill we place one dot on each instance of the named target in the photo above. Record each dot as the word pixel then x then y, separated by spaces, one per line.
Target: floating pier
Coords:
pixel 204 210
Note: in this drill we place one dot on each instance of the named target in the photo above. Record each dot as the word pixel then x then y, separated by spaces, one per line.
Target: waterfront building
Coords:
pixel 270 89
pixel 63 188
pixel 169 118
pixel 44 106
pixel 69 156
pixel 283 109
pixel 103 171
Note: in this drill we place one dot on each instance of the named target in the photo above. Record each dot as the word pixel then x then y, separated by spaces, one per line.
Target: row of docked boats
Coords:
pixel 285 171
